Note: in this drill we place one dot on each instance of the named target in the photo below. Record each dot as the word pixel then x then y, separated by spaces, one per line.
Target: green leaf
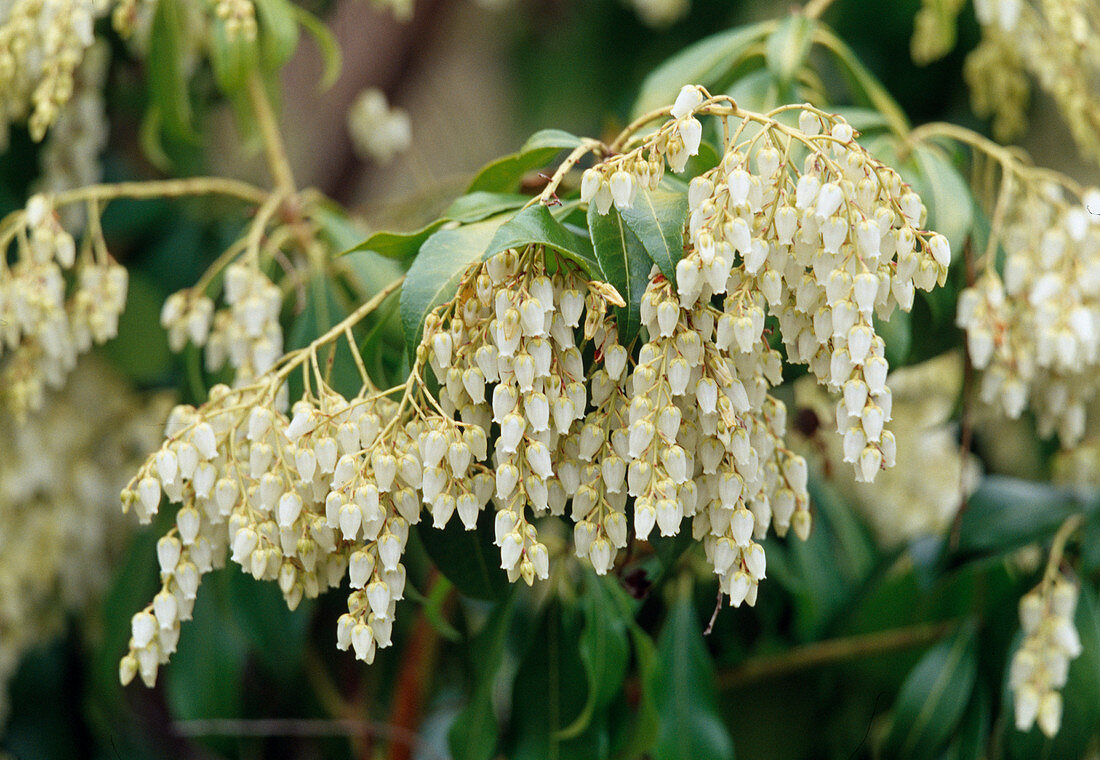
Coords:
pixel 276 636
pixel 604 648
pixel 933 697
pixel 625 264
pixel 657 218
pixel 324 308
pixel 401 246
pixel 787 47
pixel 688 725
pixel 707 62
pixel 467 558
pixel 504 174
pixel 642 733
pixel 945 193
pixel 278 28
pixel 140 349
pixel 897 333
pixel 546 695
pixel 866 89
pixel 167 82
pixel 757 91
pixel 475 731
pixel 1080 696
pixel 1006 513
pixel 233 60
pixel 973 732
pixel 475 206
pixel 326 43
pixel 435 273
pixel 537 226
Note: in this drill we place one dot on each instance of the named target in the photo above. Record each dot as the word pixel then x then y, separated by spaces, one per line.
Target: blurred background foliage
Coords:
pixel 856 649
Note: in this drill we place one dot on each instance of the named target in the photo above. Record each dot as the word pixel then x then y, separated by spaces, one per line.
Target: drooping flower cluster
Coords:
pixel 46 323
pixel 246 332
pixel 378 131
pixel 59 475
pixel 904 503
pixel 1040 666
pixel 1035 330
pixel 1056 42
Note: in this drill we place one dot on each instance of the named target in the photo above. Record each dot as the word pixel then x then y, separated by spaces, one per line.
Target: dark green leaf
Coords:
pixel 140 349
pixel 933 697
pixel 683 691
pixel 467 558
pixel 435 273
pixel 707 62
pixel 625 264
pixel 897 332
pixel 504 174
pixel 276 636
pixel 401 246
pixel 1006 513
pixel 167 82
pixel 866 89
pixel 787 47
pixel 474 734
pixel 475 206
pixel 278 29
pixel 657 218
pixel 642 732
pixel 605 649
pixel 536 225
pixel 973 732
pixel 1080 697
pixel 326 43
pixel 324 308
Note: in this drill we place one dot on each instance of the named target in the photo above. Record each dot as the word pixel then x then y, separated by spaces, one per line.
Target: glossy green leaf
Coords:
pixel 688 724
pixel 435 273
pixel 167 82
pixel 326 43
pixel 657 218
pixel 475 206
pixel 475 731
pixel 604 648
pixel 945 193
pixel 537 226
pixel 504 174
pixel 625 264
pixel 278 29
pixel 1080 696
pixel 467 558
pixel 707 62
pixel 400 246
pixel 547 695
pixel 787 47
pixel 933 697
pixel 1006 513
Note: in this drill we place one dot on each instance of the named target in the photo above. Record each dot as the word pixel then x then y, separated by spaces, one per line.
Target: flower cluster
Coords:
pixel 45 323
pixel 1040 666
pixel 58 477
pixel 246 332
pixel 1054 41
pixel 378 132
pixel 904 503
pixel 1035 329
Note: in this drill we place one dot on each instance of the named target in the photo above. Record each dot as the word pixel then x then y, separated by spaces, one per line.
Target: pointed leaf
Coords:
pixel 933 697
pixel 278 29
pixel 536 225
pixel 625 264
pixel 657 218
pixel 326 43
pixel 401 246
pixel 688 726
pixel 167 83
pixel 467 558
pixel 1006 513
pixel 479 204
pixel 435 273
pixel 786 49
pixel 504 174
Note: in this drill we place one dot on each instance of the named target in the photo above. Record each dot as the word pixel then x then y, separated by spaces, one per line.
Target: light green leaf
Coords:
pixel 536 225
pixel 708 62
pixel 504 174
pixel 233 60
pixel 933 697
pixel 787 47
pixel 756 91
pixel 479 204
pixel 400 246
pixel 945 193
pixel 167 83
pixel 658 219
pixel 435 273
pixel 605 649
pixel 278 28
pixel 326 43
pixel 688 725
pixel 625 264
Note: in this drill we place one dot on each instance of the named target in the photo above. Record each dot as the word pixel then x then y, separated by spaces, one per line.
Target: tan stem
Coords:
pixel 274 149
